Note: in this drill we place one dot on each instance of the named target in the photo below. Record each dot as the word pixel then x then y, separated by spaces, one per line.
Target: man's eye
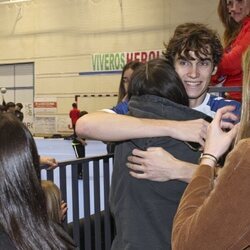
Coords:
pixel 205 63
pixel 183 63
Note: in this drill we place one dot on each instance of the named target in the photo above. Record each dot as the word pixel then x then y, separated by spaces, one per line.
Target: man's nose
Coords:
pixel 193 71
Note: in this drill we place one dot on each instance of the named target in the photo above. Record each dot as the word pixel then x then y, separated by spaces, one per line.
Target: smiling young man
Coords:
pixel 195 52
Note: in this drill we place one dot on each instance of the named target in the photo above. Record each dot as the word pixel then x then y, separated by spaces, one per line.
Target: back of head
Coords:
pixel 10 105
pixel 23 214
pixel 18 151
pixel 232 28
pixel 74 105
pixel 158 77
pixel 131 65
pixel 244 130
pixel 194 37
pixel 53 200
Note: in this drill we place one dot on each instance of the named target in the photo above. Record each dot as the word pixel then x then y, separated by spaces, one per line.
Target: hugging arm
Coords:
pixel 113 127
pixel 157 164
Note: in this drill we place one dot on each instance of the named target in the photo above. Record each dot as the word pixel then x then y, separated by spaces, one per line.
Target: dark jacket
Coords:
pixel 5 242
pixel 143 209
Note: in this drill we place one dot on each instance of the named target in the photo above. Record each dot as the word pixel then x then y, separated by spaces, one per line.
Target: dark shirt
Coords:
pixel 143 209
pixel 19 115
pixel 5 242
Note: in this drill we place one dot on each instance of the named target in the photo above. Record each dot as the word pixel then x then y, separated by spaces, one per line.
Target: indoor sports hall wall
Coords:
pixel 79 46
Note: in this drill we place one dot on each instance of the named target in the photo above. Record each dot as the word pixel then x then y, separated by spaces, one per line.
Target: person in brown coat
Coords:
pixel 215 213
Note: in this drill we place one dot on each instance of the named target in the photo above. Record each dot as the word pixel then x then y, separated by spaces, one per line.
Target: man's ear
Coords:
pixel 214 70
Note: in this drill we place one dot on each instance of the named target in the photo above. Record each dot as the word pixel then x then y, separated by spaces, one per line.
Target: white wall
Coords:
pixel 60 37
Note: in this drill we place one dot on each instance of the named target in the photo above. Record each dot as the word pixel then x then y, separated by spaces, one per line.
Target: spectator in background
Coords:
pixel 128 69
pixel 2 109
pixel 74 114
pixel 11 107
pixel 235 16
pixel 18 112
pixel 24 221
pixel 78 145
pixel 56 207
pixel 122 102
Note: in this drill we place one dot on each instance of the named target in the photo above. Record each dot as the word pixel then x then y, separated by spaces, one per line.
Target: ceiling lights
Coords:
pixel 13 1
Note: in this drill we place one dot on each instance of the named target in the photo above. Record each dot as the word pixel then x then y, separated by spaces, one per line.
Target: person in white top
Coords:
pixel 194 50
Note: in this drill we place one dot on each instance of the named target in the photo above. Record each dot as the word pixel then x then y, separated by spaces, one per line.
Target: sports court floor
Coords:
pixel 62 150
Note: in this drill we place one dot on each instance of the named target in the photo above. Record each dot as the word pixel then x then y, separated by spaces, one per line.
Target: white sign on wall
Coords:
pixel 45 106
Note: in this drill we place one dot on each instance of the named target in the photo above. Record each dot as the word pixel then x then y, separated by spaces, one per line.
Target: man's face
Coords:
pixel 195 75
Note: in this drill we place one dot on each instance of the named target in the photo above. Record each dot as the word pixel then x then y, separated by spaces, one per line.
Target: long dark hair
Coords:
pixel 23 214
pixel 158 77
pixel 122 92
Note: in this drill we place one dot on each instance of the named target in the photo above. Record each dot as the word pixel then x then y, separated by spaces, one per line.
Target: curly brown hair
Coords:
pixel 194 37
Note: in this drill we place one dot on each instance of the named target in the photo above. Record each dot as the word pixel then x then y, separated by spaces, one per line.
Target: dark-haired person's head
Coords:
pixel 195 37
pixel 23 213
pixel 158 77
pixel 127 71
pixel 194 51
pixel 15 137
pixel 19 106
pixel 11 107
pixel 74 105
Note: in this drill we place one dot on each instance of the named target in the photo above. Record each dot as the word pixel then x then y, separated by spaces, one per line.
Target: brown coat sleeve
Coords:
pixel 216 217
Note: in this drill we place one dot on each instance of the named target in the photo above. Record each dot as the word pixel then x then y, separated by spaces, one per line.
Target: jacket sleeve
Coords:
pixel 231 60
pixel 207 214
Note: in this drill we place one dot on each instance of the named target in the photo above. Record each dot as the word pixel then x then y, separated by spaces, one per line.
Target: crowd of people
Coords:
pixel 13 108
pixel 168 189
pixel 153 157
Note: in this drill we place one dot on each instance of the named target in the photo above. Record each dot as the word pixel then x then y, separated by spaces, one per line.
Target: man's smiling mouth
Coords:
pixel 192 84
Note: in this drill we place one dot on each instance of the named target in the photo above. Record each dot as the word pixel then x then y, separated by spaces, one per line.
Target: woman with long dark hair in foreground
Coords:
pixel 24 222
